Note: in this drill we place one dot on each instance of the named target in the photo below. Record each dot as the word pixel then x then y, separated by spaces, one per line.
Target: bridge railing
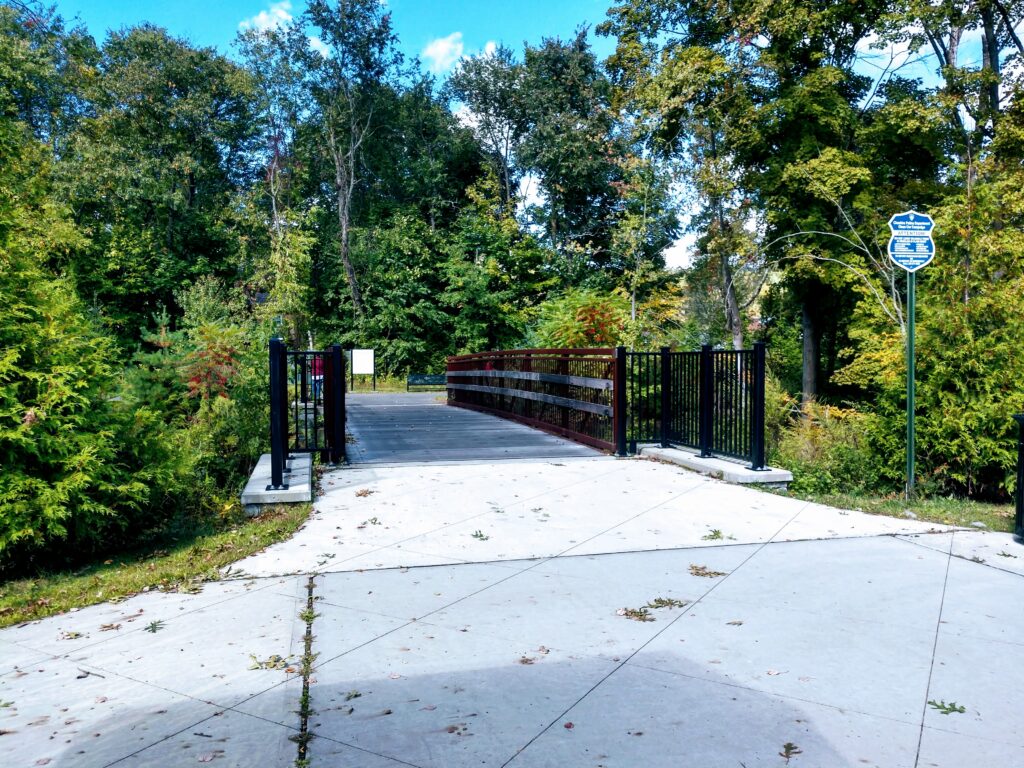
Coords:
pixel 710 400
pixel 307 405
pixel 569 392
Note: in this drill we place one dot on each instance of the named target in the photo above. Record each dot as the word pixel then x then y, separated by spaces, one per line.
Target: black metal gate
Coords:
pixel 307 406
pixel 710 400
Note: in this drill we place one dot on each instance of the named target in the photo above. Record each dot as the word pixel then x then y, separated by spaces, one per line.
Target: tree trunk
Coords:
pixel 344 184
pixel 346 260
pixel 809 383
pixel 990 61
pixel 733 319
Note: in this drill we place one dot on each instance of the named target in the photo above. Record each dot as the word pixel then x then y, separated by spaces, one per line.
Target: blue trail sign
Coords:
pixel 911 246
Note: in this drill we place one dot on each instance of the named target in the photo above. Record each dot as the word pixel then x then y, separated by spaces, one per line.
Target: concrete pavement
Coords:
pixel 569 612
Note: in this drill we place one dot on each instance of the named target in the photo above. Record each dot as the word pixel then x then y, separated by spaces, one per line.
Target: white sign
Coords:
pixel 362 361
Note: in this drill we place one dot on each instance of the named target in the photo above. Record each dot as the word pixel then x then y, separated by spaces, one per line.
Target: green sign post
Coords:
pixel 911 247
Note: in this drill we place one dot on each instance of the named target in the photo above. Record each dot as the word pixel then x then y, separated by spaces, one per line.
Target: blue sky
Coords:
pixel 438 31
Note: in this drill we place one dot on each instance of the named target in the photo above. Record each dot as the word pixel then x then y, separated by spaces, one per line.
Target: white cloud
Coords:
pixel 490 48
pixel 277 15
pixel 319 46
pixel 442 54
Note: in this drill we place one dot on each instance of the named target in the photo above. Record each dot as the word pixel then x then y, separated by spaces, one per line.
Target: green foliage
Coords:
pixel 164 208
pixel 969 360
pixel 80 465
pixel 150 173
pixel 581 318
pixel 829 450
pixel 436 294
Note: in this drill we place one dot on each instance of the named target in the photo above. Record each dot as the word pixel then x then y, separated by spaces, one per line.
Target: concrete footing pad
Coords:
pixel 720 469
pixel 298 477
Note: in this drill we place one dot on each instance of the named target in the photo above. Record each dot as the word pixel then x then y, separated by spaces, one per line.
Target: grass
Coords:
pixel 180 567
pixel 363 384
pixel 936 509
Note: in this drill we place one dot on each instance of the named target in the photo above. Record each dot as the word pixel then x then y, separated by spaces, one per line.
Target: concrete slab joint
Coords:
pixel 721 469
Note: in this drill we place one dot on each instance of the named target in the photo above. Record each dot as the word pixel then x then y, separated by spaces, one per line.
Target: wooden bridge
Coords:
pixel 567 402
pixel 420 428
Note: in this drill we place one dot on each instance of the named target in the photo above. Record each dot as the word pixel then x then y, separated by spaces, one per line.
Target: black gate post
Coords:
pixel 619 406
pixel 337 399
pixel 666 400
pixel 757 409
pixel 706 397
pixel 1018 528
pixel 278 447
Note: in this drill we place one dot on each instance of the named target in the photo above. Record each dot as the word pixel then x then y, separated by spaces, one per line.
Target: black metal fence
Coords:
pixel 307 406
pixel 711 400
pixel 1018 524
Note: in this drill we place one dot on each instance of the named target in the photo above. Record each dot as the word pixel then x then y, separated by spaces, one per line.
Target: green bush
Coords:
pixel 581 318
pixel 828 450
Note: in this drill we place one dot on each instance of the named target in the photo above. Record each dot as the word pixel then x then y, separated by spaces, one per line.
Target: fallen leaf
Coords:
pixel 395 676
pixel 703 570
pixel 568 726
pixel 736 623
pixel 428 708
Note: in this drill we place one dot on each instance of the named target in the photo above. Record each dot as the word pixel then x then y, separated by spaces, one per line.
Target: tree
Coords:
pixel 152 174
pixel 572 149
pixel 281 215
pixel 78 466
pixel 743 95
pixel 646 225
pixel 48 78
pixel 346 84
pixel 491 89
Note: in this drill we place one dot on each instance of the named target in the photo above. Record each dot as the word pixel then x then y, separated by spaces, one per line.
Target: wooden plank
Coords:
pixel 565 402
pixel 552 378
pixel 588 353
pixel 579 437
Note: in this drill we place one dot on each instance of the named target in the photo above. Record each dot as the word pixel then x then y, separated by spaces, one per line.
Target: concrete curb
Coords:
pixel 721 469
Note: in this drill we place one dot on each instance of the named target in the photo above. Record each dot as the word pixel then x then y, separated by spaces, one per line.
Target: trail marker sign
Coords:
pixel 911 246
